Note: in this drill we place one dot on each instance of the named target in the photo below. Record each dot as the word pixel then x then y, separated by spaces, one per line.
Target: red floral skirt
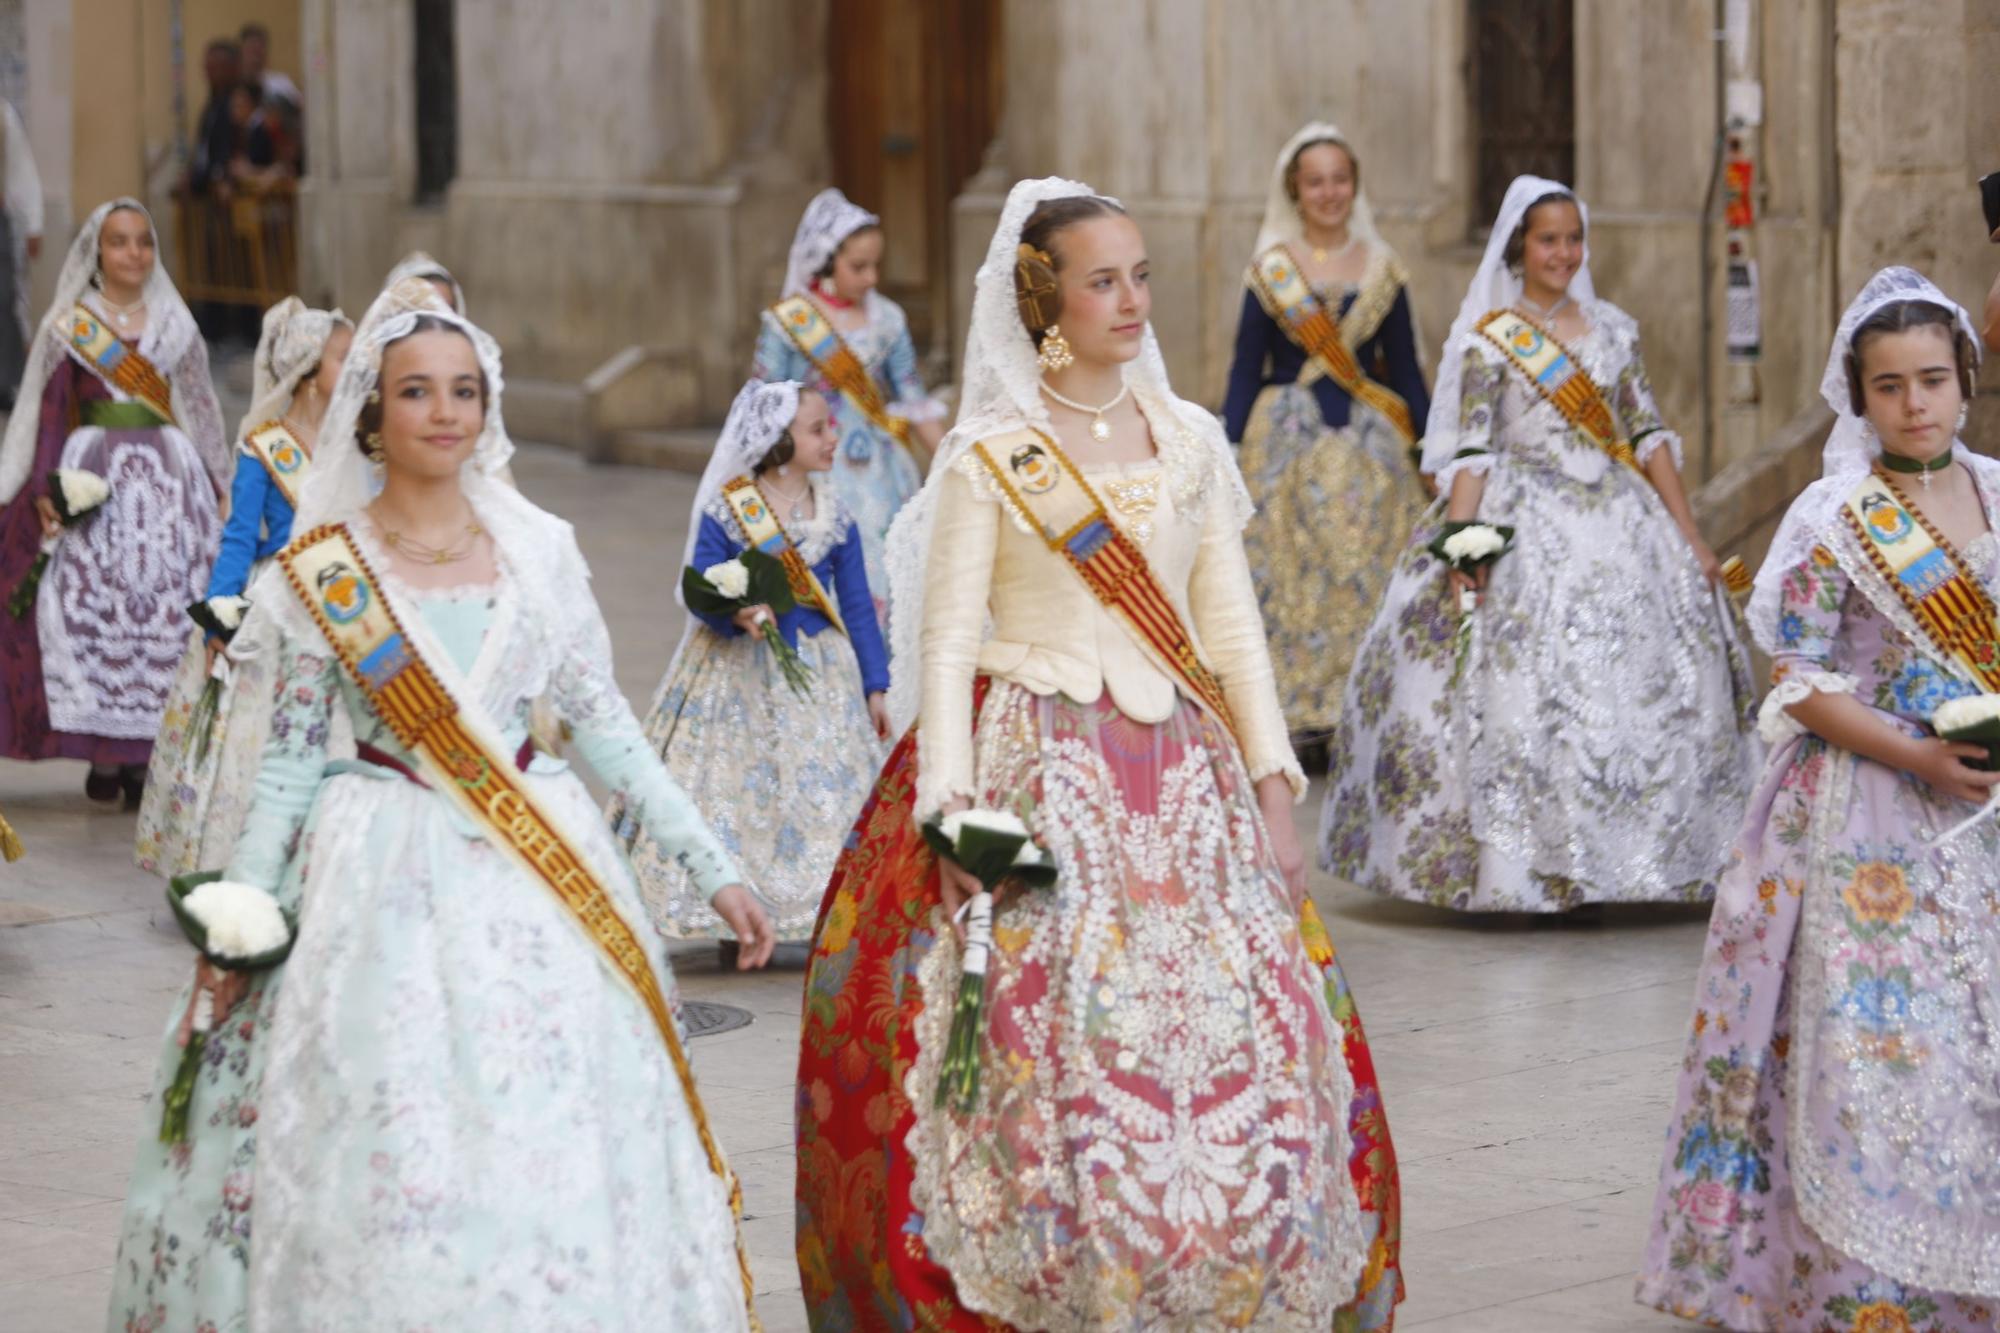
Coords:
pixel 863 1260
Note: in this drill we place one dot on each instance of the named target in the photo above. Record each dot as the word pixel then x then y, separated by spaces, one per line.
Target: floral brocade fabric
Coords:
pixel 1166 1134
pixel 1596 745
pixel 1830 1161
pixel 1332 508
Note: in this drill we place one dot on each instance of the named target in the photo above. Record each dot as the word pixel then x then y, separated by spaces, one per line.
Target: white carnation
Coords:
pixel 1029 855
pixel 228 610
pixel 242 920
pixel 1473 544
pixel 82 491
pixel 1967 713
pixel 992 821
pixel 729 578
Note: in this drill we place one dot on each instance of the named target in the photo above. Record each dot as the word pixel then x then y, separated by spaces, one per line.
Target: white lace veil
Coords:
pixel 756 419
pixel 1281 215
pixel 828 220
pixel 1851 447
pixel 289 348
pixel 1001 391
pixel 170 331
pixel 419 264
pixel 1494 287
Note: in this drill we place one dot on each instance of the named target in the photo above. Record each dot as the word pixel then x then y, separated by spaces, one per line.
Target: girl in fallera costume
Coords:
pixel 832 331
pixel 1166 1132
pixel 1325 401
pixel 199 787
pixel 117 386
pixel 1830 1159
pixel 473 1106
pixel 1593 743
pixel 777 775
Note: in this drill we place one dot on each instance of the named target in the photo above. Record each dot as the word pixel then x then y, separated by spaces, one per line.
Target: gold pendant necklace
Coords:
pixel 434 555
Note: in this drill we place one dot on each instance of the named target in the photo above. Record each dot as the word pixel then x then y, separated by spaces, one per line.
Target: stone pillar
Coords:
pixel 627 181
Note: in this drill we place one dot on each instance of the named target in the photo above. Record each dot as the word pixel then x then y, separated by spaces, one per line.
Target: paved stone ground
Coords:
pixel 1527 1068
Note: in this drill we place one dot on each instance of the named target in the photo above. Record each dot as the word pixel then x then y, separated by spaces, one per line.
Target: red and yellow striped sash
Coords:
pixel 1284 291
pixel 761 526
pixel 1042 482
pixel 828 351
pixel 1928 576
pixel 120 366
pixel 1560 378
pixel 283 457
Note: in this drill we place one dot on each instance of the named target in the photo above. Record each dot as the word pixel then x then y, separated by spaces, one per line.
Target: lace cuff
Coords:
pixel 918 410
pixel 1652 440
pixel 1774 724
pixel 1478 465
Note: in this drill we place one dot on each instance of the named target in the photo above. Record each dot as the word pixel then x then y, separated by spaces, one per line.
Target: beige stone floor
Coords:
pixel 1527 1067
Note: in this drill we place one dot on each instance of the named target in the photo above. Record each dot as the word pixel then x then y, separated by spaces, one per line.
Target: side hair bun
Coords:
pixel 1036 293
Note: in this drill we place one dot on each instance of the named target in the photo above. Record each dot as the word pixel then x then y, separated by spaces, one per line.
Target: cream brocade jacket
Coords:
pixel 1051 635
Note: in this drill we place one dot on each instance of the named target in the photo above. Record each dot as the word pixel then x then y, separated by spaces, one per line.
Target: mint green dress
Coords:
pixel 454 1117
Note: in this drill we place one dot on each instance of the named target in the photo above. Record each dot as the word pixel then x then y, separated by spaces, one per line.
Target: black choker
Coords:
pixel 1898 463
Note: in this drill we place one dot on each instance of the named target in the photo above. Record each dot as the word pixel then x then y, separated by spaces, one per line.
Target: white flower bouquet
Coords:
pixel 219 618
pixel 237 927
pixel 1974 720
pixel 754 578
pixel 76 495
pixel 993 846
pixel 1467 546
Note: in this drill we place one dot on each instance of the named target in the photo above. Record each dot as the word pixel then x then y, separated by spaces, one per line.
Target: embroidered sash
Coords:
pixel 1042 483
pixel 1928 577
pixel 761 526
pixel 832 357
pixel 273 445
pixel 118 365
pixel 1559 377
pixel 466 763
pixel 1306 320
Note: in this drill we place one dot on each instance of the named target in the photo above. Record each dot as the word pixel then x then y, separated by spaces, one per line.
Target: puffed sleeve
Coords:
pixel 1640 412
pixel 611 741
pixel 712 546
pixel 294 762
pixel 1810 599
pixel 957 576
pixel 1481 385
pixel 857 608
pixel 1223 601
pixel 777 357
pixel 1255 330
pixel 240 533
pixel 907 398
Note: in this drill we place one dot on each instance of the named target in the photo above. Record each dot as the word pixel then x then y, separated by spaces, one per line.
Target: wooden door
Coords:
pixel 913 100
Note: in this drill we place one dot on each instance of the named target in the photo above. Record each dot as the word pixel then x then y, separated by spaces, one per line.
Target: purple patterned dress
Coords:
pixel 118 586
pixel 1833 1161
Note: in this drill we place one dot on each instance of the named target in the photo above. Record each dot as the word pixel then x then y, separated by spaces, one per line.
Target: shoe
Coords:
pixel 101 786
pixel 133 779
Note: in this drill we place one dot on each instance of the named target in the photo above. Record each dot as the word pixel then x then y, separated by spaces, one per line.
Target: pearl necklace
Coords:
pixel 1545 318
pixel 797 502
pixel 1321 254
pixel 1100 429
pixel 121 315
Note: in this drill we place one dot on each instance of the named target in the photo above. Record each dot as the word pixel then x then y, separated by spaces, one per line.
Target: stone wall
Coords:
pixel 628 176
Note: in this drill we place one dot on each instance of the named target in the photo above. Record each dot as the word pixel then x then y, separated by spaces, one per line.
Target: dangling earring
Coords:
pixel 1055 353
pixel 1964 410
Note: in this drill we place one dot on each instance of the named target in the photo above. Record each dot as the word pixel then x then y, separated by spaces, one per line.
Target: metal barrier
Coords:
pixel 242 250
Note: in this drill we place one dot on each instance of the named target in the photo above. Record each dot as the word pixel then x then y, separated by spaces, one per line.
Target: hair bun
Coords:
pixel 1036 292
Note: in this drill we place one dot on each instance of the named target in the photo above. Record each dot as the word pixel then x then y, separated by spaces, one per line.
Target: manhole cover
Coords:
pixel 705 1020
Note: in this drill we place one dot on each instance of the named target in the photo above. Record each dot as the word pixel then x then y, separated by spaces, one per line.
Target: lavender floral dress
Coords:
pixel 1833 1160
pixel 1597 745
